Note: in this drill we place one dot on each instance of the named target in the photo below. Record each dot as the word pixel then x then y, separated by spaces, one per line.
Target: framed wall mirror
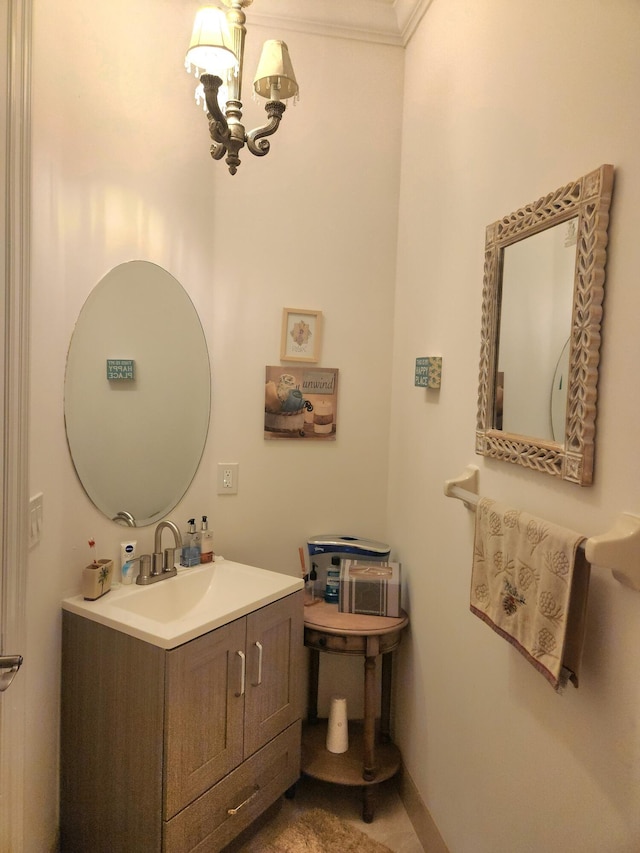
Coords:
pixel 544 272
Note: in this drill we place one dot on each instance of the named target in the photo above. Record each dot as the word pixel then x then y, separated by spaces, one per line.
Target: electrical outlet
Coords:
pixel 228 478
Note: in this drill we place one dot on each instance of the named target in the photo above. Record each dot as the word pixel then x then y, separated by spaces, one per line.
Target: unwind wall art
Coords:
pixel 301 403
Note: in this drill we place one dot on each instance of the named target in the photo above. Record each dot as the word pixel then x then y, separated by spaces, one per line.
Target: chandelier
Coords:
pixel 216 55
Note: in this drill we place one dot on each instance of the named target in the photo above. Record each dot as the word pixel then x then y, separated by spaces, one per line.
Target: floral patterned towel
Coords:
pixel 529 583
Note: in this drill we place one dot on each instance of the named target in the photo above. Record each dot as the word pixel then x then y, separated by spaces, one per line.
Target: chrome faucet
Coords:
pixel 160 566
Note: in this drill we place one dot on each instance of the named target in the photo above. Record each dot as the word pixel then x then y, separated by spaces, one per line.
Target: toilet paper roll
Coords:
pixel 338 729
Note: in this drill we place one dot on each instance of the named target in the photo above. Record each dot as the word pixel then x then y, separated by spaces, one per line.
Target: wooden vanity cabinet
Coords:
pixel 179 750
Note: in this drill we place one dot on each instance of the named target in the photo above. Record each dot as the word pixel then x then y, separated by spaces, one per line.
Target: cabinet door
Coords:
pixel 204 713
pixel 274 670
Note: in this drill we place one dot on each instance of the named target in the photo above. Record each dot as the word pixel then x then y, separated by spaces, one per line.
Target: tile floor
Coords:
pixel 390 826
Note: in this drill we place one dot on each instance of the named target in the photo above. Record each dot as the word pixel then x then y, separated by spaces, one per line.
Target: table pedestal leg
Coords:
pixel 367 804
pixel 385 715
pixel 314 673
pixel 369 769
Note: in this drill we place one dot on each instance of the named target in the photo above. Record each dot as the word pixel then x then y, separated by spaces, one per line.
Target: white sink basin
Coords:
pixel 176 610
pixel 174 598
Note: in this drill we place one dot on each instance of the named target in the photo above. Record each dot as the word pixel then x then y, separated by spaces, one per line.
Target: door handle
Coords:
pixel 9 665
pixel 255 793
pixel 243 660
pixel 258 645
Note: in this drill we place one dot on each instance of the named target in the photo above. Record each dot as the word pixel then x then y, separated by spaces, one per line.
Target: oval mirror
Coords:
pixel 137 393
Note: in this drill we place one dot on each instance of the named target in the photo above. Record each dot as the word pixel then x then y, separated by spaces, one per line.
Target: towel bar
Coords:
pixel 617 550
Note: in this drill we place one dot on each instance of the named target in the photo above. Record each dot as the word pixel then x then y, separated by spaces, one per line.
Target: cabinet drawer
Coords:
pixel 206 826
pixel 350 644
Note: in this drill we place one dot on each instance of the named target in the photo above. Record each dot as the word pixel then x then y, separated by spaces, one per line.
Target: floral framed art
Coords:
pixel 301 335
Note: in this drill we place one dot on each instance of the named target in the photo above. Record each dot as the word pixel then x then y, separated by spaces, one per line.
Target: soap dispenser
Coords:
pixel 190 555
pixel 206 542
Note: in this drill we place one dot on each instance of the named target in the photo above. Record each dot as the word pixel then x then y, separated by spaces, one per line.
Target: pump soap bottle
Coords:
pixel 190 555
pixel 206 542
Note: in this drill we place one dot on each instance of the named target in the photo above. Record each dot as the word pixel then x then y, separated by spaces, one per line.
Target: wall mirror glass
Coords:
pixel 137 393
pixel 543 289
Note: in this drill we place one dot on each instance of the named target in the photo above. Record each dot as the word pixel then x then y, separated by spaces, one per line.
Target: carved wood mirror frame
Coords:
pixel 588 198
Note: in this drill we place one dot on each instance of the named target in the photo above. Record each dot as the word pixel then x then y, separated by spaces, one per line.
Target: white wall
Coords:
pixel 121 170
pixel 506 100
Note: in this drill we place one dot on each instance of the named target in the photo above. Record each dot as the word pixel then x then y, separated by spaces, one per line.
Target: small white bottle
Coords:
pixel 127 553
pixel 206 542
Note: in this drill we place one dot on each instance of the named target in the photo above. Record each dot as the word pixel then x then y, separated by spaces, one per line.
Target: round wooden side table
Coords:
pixel 369 760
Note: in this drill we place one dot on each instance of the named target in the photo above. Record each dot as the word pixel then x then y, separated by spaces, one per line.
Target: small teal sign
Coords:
pixel 428 372
pixel 121 369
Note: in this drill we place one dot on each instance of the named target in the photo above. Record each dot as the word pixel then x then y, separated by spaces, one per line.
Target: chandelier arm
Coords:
pixel 211 84
pixel 218 150
pixel 256 141
pixel 218 125
pixel 220 136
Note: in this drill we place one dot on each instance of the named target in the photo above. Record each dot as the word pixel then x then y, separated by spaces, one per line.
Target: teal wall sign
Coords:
pixel 428 372
pixel 121 368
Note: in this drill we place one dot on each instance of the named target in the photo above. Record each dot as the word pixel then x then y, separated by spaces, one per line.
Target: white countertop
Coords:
pixel 178 609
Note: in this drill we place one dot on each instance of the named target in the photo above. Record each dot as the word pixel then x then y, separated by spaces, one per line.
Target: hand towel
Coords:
pixel 529 583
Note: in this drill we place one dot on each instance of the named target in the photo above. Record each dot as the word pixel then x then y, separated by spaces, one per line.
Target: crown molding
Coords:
pixel 380 21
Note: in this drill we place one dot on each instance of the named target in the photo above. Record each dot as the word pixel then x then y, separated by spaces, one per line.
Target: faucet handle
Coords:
pixel 169 559
pixel 145 568
pixel 156 563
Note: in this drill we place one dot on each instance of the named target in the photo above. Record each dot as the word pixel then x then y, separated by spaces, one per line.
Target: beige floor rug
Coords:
pixel 318 831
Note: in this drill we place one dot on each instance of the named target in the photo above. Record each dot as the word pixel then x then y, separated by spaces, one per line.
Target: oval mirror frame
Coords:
pixel 588 198
pixel 136 439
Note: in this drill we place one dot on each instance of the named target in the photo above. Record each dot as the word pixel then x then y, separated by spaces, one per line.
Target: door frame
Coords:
pixel 14 339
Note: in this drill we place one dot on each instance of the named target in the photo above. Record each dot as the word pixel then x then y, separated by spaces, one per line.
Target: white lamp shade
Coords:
pixel 211 47
pixel 275 78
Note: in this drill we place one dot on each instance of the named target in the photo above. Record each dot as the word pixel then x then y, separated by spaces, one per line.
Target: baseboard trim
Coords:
pixel 419 815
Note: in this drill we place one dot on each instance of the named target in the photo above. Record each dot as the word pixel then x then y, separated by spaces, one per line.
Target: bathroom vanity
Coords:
pixel 170 745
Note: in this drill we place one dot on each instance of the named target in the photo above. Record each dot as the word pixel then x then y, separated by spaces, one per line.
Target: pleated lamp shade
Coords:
pixel 211 47
pixel 275 78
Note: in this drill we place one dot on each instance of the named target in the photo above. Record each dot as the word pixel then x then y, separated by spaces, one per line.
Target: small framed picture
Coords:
pixel 301 335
